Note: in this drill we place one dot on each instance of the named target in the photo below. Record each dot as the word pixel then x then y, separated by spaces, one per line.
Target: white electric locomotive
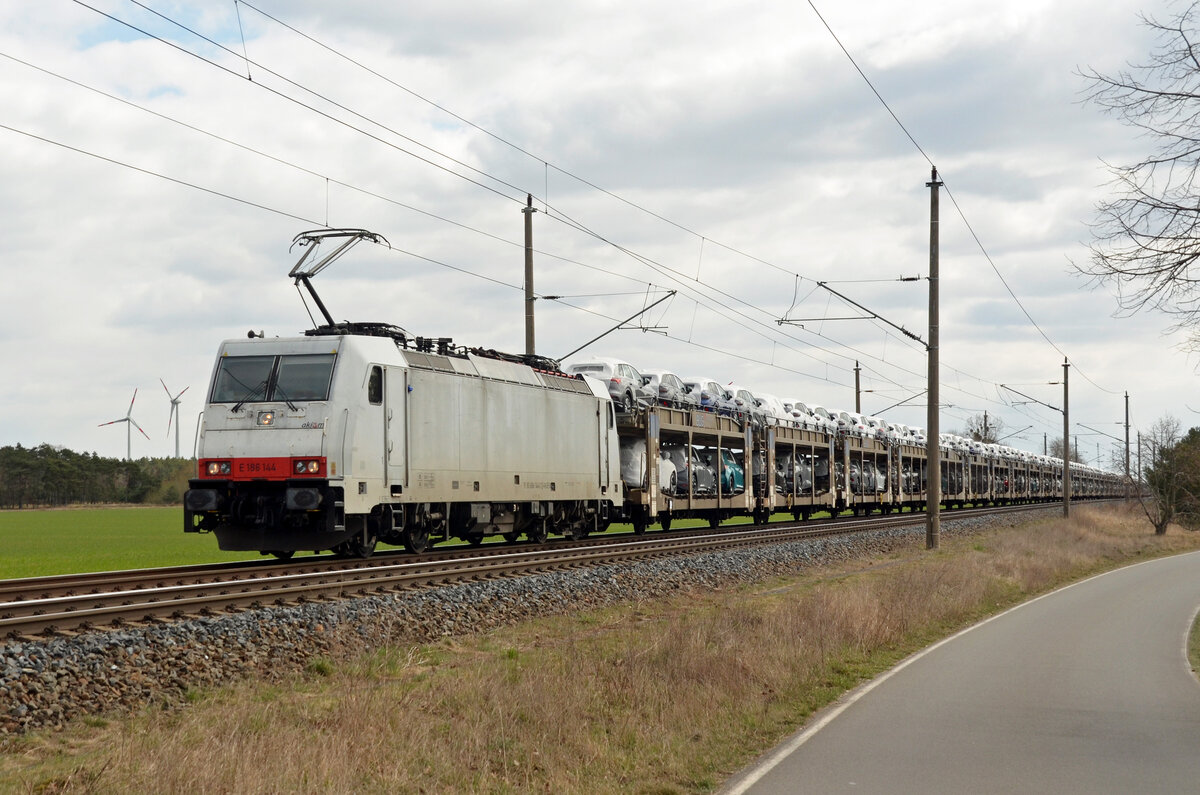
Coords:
pixel 342 438
pixel 356 433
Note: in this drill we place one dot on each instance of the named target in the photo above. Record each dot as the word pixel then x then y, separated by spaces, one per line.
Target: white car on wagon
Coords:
pixel 625 383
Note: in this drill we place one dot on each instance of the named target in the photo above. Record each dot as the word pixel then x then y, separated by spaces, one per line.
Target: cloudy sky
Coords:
pixel 159 157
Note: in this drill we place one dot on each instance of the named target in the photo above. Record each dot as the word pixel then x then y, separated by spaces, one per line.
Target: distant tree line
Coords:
pixel 42 476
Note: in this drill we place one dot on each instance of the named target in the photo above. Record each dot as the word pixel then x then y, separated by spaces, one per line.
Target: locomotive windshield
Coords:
pixel 252 379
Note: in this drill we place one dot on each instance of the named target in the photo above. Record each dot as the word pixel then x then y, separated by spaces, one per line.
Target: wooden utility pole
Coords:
pixel 1139 479
pixel 933 452
pixel 1127 445
pixel 529 211
pixel 1066 443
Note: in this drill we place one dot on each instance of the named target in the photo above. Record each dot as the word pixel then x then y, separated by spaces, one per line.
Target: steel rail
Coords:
pixel 189 591
pixel 97 582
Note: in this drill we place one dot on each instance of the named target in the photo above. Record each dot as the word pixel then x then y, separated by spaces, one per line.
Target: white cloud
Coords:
pixel 749 130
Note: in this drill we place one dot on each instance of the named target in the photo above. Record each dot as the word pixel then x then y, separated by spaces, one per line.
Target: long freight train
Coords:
pixel 356 433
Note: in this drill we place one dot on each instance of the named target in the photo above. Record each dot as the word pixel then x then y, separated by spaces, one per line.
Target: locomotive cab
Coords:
pixel 268 478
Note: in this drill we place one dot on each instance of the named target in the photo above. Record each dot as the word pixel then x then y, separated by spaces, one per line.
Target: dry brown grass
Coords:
pixel 652 697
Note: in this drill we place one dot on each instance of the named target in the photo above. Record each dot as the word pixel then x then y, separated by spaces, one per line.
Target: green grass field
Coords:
pixel 41 542
pixel 67 541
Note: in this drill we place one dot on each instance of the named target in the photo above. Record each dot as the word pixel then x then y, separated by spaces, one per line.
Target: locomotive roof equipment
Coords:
pixel 314 238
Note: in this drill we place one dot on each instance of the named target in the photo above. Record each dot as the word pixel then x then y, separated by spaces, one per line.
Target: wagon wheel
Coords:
pixel 639 521
pixel 511 537
pixel 664 521
pixel 282 554
pixel 416 537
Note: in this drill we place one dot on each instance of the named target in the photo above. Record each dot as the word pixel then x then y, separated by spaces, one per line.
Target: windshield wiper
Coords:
pixel 279 391
pixel 249 395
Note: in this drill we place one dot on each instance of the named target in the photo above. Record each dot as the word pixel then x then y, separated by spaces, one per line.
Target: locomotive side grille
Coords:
pixel 428 361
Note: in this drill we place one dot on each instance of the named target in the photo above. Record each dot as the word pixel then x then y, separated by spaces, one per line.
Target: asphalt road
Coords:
pixel 1084 690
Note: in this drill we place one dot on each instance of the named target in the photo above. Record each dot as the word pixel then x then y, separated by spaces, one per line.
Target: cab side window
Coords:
pixel 375 386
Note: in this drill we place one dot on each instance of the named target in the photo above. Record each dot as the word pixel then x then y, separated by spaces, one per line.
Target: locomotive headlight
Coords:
pixel 219 468
pixel 266 418
pixel 307 467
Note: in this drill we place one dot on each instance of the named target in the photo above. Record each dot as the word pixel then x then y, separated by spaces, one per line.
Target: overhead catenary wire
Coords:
pixel 518 148
pixel 309 221
pixel 396 250
pixel 160 175
pixel 330 117
pixel 272 72
pixel 303 169
pixel 958 208
pixel 663 218
pixel 547 165
pixel 501 139
pixel 311 108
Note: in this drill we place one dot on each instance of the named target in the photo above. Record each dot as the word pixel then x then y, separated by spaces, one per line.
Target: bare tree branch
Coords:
pixel 1146 241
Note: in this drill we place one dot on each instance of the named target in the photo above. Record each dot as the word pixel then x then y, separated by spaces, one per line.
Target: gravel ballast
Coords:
pixel 46 683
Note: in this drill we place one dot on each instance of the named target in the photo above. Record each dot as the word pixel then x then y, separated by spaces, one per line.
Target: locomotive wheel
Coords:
pixel 361 548
pixel 282 554
pixel 416 538
pixel 559 525
pixel 537 533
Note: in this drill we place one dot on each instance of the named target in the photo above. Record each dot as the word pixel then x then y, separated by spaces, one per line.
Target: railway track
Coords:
pixel 72 603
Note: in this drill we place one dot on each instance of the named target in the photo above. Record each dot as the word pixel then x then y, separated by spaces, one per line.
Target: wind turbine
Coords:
pixel 174 415
pixel 128 418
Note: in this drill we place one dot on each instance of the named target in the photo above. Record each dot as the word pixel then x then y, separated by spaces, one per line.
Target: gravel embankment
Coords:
pixel 45 683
